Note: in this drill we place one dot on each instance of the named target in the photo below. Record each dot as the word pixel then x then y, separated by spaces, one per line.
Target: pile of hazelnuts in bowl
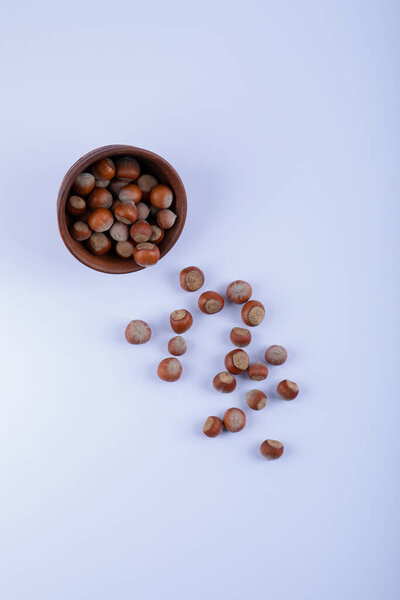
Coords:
pixel 237 361
pixel 121 209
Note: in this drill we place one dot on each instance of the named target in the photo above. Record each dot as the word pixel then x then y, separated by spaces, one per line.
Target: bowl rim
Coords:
pixel 76 248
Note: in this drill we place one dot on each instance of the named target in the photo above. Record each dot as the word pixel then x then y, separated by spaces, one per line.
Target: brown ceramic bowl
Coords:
pixel 149 163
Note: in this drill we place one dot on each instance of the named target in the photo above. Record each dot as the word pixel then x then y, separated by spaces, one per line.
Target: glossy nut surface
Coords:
pixel 166 218
pixel 276 355
pixel 137 332
pixel 99 244
pixel 212 427
pixel 124 249
pixel 127 168
pixel 143 211
pixel 100 220
pixel 130 193
pixel 161 196
pixel 84 183
pixel 240 337
pixel 234 419
pixel 100 198
pixel 191 279
pixel 253 312
pixel 287 389
pixel 210 302
pixel 169 369
pixel 239 291
pixel 157 234
pixel 104 169
pixel 140 231
pixel 126 213
pixel 236 362
pixel 80 231
pixel 224 382
pixel 76 205
pixel 181 320
pixel 256 399
pixel 119 232
pixel 257 371
pixel 271 449
pixel 146 183
pixel 146 254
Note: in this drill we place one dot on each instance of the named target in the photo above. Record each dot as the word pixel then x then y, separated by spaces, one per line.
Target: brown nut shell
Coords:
pixel 239 291
pixel 140 231
pixel 240 337
pixel 76 205
pixel 210 302
pixel 124 249
pixel 237 361
pixel 181 320
pixel 126 213
pixel 224 382
pixel 191 279
pixel 287 389
pixel 166 218
pixel 271 449
pixel 157 234
pixel 169 369
pixel 161 196
pixel 234 419
pixel 257 371
pixel 256 399
pixel 177 345
pixel 130 193
pixel 146 184
pixel 104 169
pixel 100 220
pixel 146 254
pixel 212 427
pixel 80 231
pixel 127 168
pixel 84 183
pixel 276 355
pixel 137 332
pixel 253 312
pixel 100 198
pixel 99 244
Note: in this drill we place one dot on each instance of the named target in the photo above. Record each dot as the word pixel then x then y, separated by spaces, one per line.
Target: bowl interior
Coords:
pixel 149 163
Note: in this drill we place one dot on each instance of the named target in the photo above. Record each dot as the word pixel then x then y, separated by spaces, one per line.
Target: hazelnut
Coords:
pixel 276 355
pixel 212 427
pixel 126 213
pixel 116 186
pixel 191 279
pixel 224 382
pixel 256 399
pixel 137 332
pixel 76 205
pixel 177 345
pixel 146 184
pixel 146 254
pixel 210 303
pixel 143 211
pixel 236 361
pixel 253 313
pixel 239 291
pixel 141 231
pixel 80 231
pixel 84 184
pixel 130 193
pixel 161 196
pixel 100 198
pixel 124 249
pixel 181 320
pixel 258 371
pixel 169 369
pixel 157 234
pixel 271 449
pixel 166 218
pixel 119 232
pixel 287 390
pixel 104 169
pixel 234 419
pixel 102 183
pixel 99 244
pixel 127 168
pixel 240 337
pixel 100 220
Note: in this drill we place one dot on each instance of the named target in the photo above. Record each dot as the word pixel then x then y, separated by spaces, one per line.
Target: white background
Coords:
pixel 282 120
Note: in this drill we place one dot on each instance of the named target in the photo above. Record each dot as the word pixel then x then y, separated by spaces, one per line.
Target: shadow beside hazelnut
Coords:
pixel 234 419
pixel 181 320
pixel 137 332
pixel 169 369
pixel 212 427
pixel 271 449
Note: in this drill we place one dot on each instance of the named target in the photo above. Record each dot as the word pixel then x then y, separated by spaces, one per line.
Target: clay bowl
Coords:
pixel 149 163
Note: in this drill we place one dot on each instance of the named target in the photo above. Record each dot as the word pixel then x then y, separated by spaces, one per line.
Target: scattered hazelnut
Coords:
pixel 234 419
pixel 157 234
pixel 80 231
pixel 124 249
pixel 210 302
pixel 169 369
pixel 126 213
pixel 104 169
pixel 99 244
pixel 239 291
pixel 212 427
pixel 100 220
pixel 119 232
pixel 161 196
pixel 258 371
pixel 130 193
pixel 76 205
pixel 127 168
pixel 256 399
pixel 143 211
pixel 240 337
pixel 141 231
pixel 253 313
pixel 100 198
pixel 166 218
pixel 84 184
pixel 181 320
pixel 177 345
pixel 271 449
pixel 191 279
pixel 146 254
pixel 116 186
pixel 236 361
pixel 224 382
pixel 276 355
pixel 146 184
pixel 287 390
pixel 137 332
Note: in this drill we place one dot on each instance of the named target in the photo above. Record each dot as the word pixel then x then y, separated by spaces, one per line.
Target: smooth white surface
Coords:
pixel 282 119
